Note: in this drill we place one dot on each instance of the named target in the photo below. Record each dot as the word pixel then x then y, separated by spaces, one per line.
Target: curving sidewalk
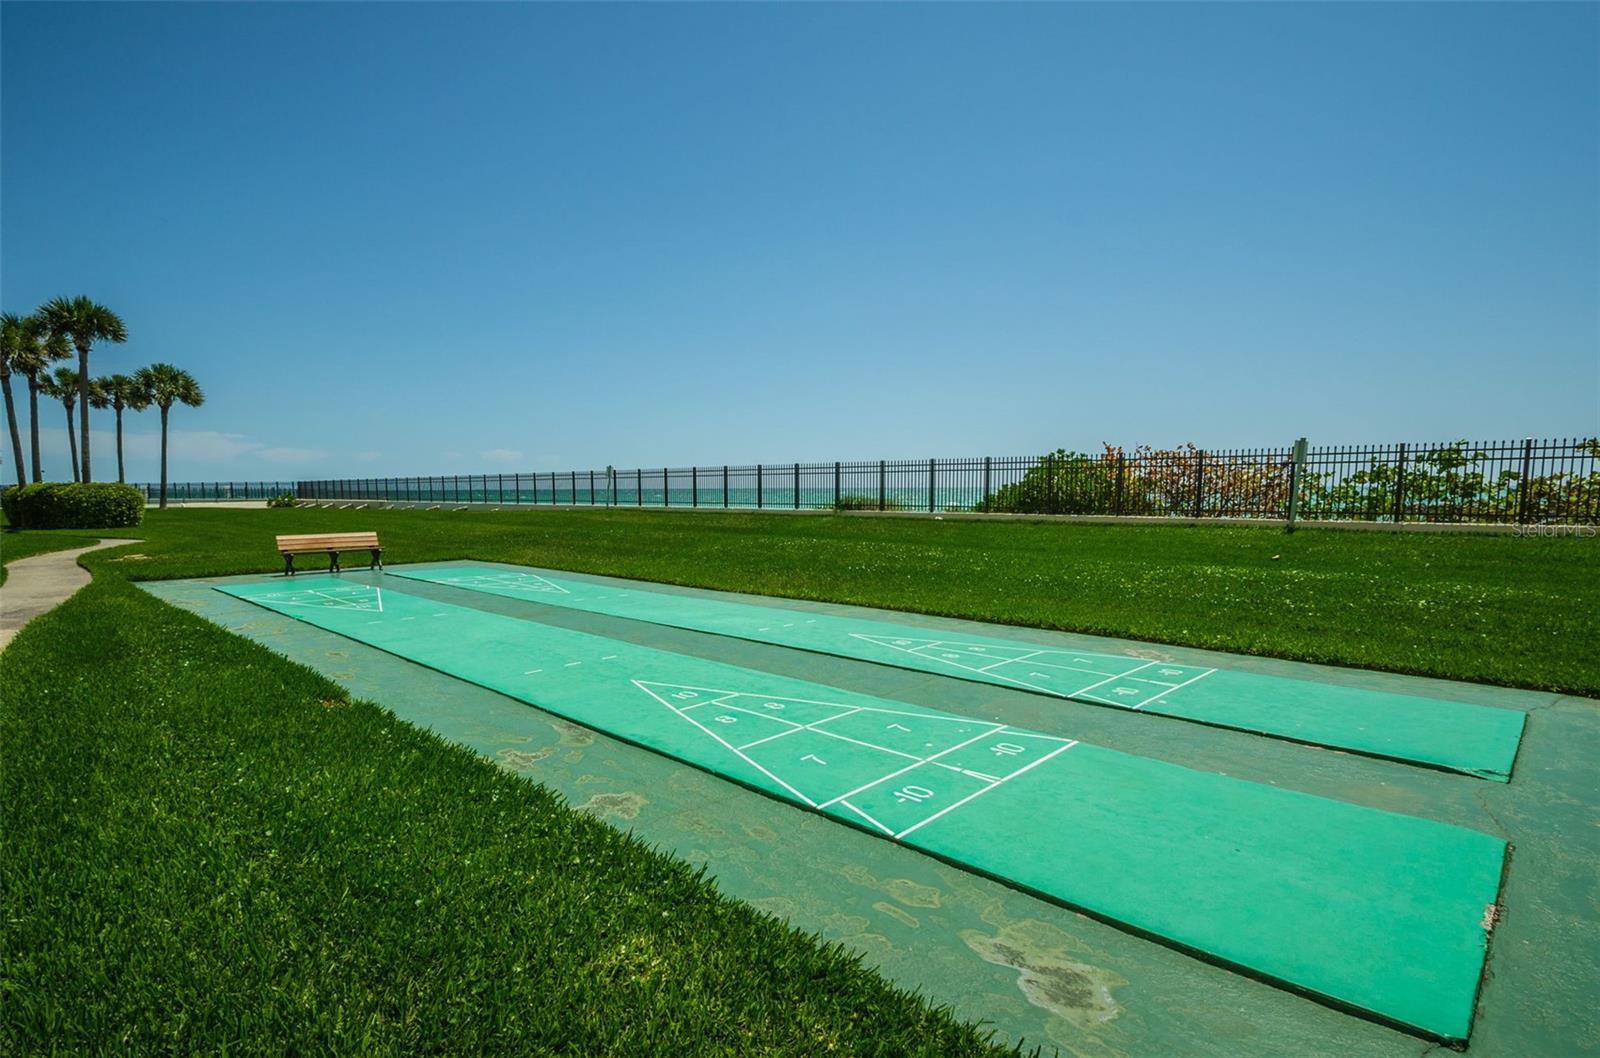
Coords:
pixel 40 583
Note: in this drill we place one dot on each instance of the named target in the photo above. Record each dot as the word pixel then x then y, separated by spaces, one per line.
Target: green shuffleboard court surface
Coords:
pixel 1376 912
pixel 1456 736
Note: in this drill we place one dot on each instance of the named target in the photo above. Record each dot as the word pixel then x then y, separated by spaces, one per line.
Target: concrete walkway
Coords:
pixel 40 583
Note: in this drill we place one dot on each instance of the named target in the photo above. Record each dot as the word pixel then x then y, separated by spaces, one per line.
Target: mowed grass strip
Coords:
pixel 208 849
pixel 1516 611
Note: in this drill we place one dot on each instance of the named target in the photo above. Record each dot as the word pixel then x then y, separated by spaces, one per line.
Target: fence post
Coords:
pixel 724 486
pixel 835 484
pixel 1116 502
pixel 1199 483
pixel 638 486
pixel 758 486
pixel 987 468
pixel 797 486
pixel 883 483
pixel 930 486
pixel 1400 485
pixel 1522 482
pixel 694 486
pixel 1050 483
pixel 666 488
pixel 1296 471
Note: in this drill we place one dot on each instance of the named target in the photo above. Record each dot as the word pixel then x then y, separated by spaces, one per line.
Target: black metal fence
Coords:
pixel 1527 481
pixel 213 491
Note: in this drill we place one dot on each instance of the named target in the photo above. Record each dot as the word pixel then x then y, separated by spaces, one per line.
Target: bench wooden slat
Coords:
pixel 292 544
pixel 324 541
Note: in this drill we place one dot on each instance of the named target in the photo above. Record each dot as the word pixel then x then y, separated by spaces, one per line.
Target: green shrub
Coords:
pixel 70 505
pixel 852 502
pixel 283 499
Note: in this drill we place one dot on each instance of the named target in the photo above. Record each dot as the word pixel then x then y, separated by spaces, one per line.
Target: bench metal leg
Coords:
pixel 377 558
pixel 333 562
pixel 288 565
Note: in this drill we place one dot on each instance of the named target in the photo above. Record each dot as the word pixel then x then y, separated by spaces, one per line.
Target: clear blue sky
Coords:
pixel 404 238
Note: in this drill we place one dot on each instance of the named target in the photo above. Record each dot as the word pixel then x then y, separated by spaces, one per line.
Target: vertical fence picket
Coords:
pixel 1523 484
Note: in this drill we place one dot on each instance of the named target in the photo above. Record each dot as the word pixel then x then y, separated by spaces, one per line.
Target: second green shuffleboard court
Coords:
pixel 1373 911
pixel 1455 736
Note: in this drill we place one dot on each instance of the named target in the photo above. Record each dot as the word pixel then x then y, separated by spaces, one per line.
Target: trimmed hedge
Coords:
pixel 71 505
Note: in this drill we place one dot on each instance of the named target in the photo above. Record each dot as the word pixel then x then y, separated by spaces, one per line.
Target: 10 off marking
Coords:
pixel 1006 749
pixel 912 794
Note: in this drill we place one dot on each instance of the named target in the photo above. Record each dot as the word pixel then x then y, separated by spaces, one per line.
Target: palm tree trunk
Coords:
pixel 72 442
pixel 120 478
pixel 16 434
pixel 164 457
pixel 33 425
pixel 83 406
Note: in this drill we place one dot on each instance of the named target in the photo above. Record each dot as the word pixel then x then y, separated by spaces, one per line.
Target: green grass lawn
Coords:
pixel 1492 609
pixel 208 848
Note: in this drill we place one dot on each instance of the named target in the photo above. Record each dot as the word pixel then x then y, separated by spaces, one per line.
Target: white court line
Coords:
pixel 868 818
pixel 504 581
pixel 1118 676
pixel 710 701
pixel 1174 687
pixel 1036 663
pixel 992 668
pixel 986 789
pixel 869 745
pixel 769 738
pixel 964 771
pixel 814 726
pixel 920 761
pixel 1006 661
pixel 723 695
pixel 735 750
pixel 1014 732
pixel 793 727
pixel 915 652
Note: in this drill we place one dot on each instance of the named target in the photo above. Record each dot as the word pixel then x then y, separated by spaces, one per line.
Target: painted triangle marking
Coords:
pixel 362 598
pixel 526 582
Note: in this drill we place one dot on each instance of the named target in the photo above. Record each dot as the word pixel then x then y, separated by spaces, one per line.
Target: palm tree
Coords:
pixel 165 386
pixel 124 393
pixel 36 351
pixel 83 322
pixel 99 397
pixel 10 347
pixel 62 384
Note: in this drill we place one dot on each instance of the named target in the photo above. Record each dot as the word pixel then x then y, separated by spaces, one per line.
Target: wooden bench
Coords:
pixel 332 543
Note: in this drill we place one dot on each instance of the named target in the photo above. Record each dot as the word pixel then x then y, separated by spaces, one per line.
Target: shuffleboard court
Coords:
pixel 1454 736
pixel 1372 911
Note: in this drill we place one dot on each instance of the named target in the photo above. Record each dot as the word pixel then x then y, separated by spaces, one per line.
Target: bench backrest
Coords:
pixel 307 542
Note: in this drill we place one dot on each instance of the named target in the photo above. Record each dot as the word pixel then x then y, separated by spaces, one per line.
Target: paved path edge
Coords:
pixel 40 583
